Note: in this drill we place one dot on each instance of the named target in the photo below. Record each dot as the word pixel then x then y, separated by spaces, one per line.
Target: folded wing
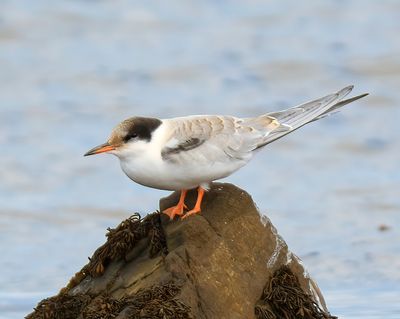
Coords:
pixel 210 139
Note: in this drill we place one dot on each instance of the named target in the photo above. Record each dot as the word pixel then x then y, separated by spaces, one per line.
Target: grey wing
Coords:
pixel 298 116
pixel 211 138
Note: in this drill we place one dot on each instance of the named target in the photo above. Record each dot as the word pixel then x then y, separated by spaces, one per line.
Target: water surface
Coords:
pixel 70 71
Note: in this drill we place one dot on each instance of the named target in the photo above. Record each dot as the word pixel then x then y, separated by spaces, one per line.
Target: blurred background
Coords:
pixel 71 70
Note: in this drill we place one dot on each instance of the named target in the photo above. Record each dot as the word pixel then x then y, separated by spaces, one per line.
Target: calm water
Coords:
pixel 70 71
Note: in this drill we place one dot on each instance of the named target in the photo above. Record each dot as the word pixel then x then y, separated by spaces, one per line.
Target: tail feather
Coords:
pixel 334 109
pixel 298 116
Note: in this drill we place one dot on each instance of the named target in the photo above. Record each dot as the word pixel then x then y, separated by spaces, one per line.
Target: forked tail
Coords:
pixel 292 119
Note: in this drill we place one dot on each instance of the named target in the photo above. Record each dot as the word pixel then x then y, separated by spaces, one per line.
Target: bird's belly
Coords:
pixel 146 173
pixel 173 176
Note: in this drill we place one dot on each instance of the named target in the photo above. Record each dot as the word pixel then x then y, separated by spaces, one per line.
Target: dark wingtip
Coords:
pixel 358 97
pixel 350 88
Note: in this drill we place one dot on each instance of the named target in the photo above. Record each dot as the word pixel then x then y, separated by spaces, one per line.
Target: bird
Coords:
pixel 190 152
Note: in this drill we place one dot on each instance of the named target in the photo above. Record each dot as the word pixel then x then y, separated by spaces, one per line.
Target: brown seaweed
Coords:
pixel 120 241
pixel 156 302
pixel 283 298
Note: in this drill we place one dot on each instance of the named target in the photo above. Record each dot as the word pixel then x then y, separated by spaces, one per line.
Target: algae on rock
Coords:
pixel 227 262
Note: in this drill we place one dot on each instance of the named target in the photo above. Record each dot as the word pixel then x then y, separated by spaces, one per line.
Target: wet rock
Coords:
pixel 228 262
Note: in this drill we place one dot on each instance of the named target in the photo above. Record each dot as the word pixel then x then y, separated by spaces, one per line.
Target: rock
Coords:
pixel 228 262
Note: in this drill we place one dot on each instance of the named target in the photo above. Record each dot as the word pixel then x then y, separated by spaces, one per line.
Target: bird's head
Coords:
pixel 128 137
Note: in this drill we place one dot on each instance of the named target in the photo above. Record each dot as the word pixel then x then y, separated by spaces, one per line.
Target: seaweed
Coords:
pixel 157 302
pixel 124 238
pixel 153 302
pixel 283 298
pixel 61 306
pixel 120 241
pixel 150 303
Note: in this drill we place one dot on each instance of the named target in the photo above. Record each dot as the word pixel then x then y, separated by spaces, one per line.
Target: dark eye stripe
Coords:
pixel 141 128
pixel 130 136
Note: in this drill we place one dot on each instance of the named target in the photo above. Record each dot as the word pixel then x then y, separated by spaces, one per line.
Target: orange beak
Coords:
pixel 100 149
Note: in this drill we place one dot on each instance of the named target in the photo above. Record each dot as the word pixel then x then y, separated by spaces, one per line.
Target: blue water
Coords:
pixel 71 70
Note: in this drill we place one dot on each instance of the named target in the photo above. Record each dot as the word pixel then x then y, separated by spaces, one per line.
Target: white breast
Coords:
pixel 142 162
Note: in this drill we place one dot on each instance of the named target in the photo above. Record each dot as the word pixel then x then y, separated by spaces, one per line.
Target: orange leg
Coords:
pixel 178 209
pixel 197 208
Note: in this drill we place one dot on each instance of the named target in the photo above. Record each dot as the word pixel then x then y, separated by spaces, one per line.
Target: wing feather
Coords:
pixel 214 138
pixel 209 139
pixel 298 116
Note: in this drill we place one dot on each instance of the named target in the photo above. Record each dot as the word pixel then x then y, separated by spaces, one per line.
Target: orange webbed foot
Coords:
pixel 196 209
pixel 178 209
pixel 175 210
pixel 191 212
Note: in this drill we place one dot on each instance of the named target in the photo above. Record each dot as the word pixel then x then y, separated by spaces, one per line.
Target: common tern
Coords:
pixel 190 152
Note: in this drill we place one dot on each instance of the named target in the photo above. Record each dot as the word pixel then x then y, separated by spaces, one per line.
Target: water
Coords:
pixel 70 71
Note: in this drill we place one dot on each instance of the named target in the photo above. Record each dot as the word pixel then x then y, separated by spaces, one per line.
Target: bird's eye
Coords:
pixel 130 136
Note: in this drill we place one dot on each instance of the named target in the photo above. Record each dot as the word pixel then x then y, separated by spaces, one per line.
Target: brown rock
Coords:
pixel 228 262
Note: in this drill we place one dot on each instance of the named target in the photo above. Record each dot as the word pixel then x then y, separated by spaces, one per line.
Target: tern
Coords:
pixel 192 151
